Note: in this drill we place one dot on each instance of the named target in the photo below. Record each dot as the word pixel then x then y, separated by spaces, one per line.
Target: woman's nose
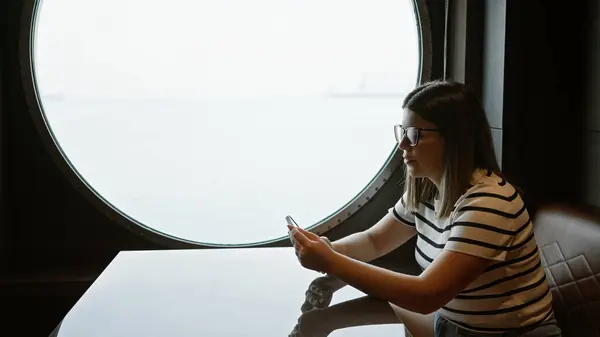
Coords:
pixel 404 144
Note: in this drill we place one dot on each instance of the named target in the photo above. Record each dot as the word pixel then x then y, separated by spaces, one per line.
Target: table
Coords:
pixel 213 292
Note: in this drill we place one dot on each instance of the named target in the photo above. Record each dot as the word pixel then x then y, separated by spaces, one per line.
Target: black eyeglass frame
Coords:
pixel 404 130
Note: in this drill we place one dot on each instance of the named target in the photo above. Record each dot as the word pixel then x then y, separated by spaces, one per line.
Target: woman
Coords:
pixel 482 274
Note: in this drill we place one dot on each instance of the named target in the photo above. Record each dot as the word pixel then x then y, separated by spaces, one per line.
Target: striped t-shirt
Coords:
pixel 490 220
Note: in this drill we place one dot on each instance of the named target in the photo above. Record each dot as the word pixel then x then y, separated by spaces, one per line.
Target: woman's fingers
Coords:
pixel 310 235
pixel 300 237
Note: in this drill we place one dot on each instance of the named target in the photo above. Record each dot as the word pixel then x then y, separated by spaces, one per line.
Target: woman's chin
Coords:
pixel 412 169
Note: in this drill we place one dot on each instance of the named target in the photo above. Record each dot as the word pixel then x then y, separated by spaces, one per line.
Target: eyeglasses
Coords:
pixel 411 133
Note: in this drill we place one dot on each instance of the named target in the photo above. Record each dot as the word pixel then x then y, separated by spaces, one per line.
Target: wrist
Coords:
pixel 333 259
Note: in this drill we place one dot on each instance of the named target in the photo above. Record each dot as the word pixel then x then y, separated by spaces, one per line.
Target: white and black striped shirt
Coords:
pixel 490 221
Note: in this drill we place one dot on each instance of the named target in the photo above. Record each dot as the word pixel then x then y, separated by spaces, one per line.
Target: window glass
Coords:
pixel 212 120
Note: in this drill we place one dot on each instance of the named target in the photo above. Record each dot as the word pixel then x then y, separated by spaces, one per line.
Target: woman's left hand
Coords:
pixel 312 251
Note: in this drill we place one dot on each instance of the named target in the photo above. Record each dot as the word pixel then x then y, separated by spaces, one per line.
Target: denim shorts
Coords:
pixel 444 328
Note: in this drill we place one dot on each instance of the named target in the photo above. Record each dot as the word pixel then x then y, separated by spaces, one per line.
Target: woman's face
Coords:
pixel 426 159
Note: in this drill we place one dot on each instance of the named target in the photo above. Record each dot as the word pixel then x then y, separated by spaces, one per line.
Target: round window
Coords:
pixel 212 120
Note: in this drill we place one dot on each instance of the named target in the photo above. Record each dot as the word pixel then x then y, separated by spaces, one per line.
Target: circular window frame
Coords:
pixel 35 107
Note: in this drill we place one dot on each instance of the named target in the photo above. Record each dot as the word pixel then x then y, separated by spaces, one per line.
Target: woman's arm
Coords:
pixel 446 277
pixel 386 235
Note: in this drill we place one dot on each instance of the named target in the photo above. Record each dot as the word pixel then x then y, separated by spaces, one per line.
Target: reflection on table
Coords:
pixel 220 292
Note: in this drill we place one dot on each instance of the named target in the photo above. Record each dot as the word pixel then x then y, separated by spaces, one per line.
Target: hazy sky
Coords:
pixel 232 48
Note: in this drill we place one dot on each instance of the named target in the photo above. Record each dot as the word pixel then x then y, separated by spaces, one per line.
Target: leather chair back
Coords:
pixel 569 242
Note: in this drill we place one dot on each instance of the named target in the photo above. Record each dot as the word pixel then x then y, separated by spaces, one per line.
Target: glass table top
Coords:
pixel 220 292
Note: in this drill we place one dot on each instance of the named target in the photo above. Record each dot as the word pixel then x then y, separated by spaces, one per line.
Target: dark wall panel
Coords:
pixel 591 191
pixel 4 222
pixel 591 182
pixel 457 41
pixel 593 80
pixel 497 139
pixel 493 61
pixel 544 87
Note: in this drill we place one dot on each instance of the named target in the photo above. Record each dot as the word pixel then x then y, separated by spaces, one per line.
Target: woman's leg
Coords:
pixel 418 325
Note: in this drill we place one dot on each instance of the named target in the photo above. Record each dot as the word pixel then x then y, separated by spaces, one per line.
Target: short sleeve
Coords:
pixel 399 213
pixel 484 224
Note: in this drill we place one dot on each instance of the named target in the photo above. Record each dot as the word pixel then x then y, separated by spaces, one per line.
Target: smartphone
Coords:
pixel 291 221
